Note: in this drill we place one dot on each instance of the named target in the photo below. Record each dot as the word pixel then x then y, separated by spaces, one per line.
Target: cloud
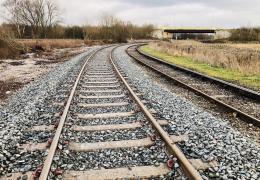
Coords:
pixel 193 15
pixel 1 12
pixel 207 13
pixel 88 11
pixel 188 13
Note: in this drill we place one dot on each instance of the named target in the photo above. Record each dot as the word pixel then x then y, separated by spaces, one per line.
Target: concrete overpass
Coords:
pixel 167 33
pixel 207 31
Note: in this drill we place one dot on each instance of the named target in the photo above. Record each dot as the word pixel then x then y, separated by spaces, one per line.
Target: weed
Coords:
pixel 244 60
pixel 228 74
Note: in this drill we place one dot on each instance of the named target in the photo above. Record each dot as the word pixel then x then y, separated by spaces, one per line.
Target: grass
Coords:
pixel 251 81
pixel 253 46
pixel 228 56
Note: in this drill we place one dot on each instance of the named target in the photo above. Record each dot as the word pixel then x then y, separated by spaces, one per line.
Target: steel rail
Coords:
pixel 238 89
pixel 189 170
pixel 55 141
pixel 244 116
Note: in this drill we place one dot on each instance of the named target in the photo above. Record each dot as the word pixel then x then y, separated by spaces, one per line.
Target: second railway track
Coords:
pixel 233 99
pixel 106 131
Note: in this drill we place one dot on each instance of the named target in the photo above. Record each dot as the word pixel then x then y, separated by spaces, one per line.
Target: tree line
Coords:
pixel 40 19
pixel 245 34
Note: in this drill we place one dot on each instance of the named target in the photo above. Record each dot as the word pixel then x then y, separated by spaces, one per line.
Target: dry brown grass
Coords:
pixel 244 58
pixel 9 49
pixel 253 46
pixel 48 44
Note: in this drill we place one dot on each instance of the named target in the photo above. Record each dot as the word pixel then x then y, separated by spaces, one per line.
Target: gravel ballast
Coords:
pixel 69 158
pixel 210 138
pixel 30 106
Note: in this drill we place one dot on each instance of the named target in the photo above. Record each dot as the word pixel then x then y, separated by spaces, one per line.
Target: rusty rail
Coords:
pixel 244 116
pixel 230 86
pixel 55 141
pixel 189 170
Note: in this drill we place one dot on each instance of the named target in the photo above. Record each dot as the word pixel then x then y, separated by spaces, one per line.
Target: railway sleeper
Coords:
pixel 102 97
pixel 117 104
pixel 145 142
pixel 115 86
pixel 109 115
pixel 94 128
pixel 101 91
pixel 133 125
pixel 101 82
pixel 99 76
pixel 86 147
pixel 94 74
pixel 106 115
pixel 137 172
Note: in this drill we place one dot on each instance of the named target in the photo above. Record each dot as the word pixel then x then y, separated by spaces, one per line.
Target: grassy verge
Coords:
pixel 251 81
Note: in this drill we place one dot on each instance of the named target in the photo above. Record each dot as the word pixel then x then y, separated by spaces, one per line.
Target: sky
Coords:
pixel 175 13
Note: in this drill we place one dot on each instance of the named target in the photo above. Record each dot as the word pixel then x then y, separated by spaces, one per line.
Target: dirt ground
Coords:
pixel 14 74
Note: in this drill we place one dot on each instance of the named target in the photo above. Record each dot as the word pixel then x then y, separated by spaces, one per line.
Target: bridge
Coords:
pixel 168 33
pixel 208 31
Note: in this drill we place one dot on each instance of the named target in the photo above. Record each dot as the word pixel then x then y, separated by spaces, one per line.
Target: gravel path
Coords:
pixel 210 137
pixel 30 106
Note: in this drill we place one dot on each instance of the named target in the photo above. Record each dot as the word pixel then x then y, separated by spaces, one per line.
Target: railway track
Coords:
pixel 107 131
pixel 243 103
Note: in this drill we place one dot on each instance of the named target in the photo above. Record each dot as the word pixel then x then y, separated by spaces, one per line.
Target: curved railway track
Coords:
pixel 242 102
pixel 106 131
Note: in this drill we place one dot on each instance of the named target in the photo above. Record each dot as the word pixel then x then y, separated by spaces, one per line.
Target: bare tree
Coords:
pixel 39 15
pixel 13 18
pixel 112 29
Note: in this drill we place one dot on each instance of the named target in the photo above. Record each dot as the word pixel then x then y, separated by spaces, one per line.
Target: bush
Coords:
pixel 9 48
pixel 74 32
pixel 48 44
pixel 8 51
pixel 245 34
pixel 114 30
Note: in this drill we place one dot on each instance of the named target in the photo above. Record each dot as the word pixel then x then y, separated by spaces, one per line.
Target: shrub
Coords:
pixel 9 48
pixel 48 44
pixel 245 34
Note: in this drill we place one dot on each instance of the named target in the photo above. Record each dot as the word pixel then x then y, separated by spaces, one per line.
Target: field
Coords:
pixel 48 44
pixel 13 49
pixel 51 43
pixel 252 46
pixel 238 63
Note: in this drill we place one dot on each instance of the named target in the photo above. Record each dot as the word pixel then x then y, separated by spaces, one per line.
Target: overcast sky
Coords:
pixel 178 13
